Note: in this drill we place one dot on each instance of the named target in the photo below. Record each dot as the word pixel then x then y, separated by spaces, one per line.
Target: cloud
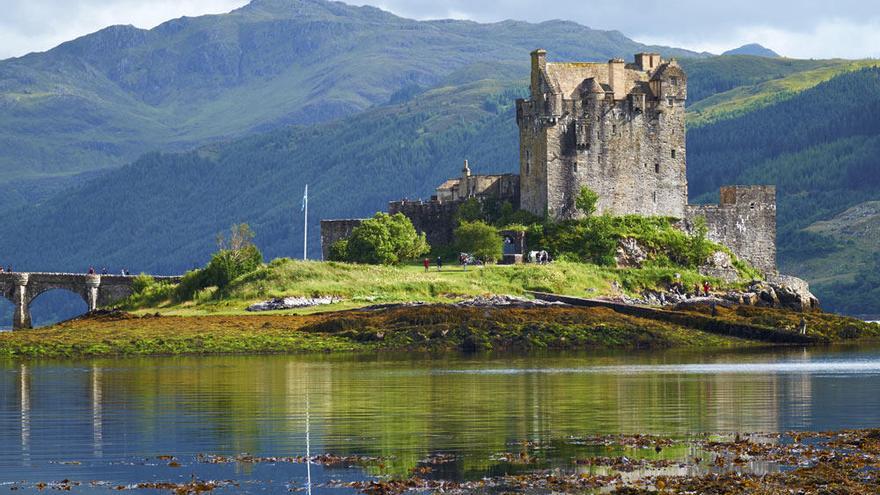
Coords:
pixel 796 28
pixel 38 25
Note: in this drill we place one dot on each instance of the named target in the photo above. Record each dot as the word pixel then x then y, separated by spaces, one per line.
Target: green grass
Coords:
pixel 361 285
pixel 745 99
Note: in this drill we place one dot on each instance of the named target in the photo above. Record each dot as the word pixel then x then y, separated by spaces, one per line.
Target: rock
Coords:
pixel 630 254
pixel 793 293
pixel 508 301
pixel 719 265
pixel 293 303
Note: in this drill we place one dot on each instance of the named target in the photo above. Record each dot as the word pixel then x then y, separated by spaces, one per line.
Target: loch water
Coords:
pixel 117 422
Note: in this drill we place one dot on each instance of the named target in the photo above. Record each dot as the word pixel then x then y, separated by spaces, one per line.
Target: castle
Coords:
pixel 617 128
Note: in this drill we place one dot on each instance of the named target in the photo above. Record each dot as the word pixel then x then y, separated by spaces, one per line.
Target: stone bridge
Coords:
pixel 96 290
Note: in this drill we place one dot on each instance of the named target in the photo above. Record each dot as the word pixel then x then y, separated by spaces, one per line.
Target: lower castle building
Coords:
pixel 617 128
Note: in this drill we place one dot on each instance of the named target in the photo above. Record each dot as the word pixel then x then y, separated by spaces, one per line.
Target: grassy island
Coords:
pixel 216 321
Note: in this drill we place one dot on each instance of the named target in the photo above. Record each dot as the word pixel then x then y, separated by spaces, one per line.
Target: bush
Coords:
pixel 237 256
pixel 384 239
pixel 480 239
pixel 146 291
pixel 586 201
pixel 228 264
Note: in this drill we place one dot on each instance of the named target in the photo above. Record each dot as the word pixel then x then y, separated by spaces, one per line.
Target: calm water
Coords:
pixel 108 420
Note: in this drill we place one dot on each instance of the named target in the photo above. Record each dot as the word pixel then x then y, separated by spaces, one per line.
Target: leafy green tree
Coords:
pixel 470 210
pixel 586 201
pixel 384 239
pixel 480 239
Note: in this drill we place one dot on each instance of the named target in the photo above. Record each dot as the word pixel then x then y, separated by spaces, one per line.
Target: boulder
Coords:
pixel 793 293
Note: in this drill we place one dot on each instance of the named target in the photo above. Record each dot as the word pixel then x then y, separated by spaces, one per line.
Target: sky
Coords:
pixel 794 28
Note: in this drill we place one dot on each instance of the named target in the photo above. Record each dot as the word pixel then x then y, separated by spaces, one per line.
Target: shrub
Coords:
pixel 237 256
pixel 480 239
pixel 384 239
pixel 228 264
pixel 586 201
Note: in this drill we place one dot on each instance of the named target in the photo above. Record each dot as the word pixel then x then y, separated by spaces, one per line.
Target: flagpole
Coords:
pixel 306 223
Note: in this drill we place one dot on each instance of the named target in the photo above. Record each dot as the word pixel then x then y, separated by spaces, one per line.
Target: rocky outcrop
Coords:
pixel 720 266
pixel 630 254
pixel 794 293
pixel 779 291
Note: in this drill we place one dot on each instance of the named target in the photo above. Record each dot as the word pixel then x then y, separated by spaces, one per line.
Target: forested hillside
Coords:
pixel 104 99
pixel 386 108
pixel 821 149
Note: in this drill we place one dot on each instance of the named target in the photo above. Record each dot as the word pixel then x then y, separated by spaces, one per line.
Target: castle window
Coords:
pixel 528 162
pixel 655 197
pixel 656 168
pixel 673 153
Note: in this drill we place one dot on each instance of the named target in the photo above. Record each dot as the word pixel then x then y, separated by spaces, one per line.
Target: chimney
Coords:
pixel 617 78
pixel 539 64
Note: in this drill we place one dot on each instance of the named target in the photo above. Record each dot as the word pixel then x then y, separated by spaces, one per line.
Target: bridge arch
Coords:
pixel 7 309
pixel 95 290
pixel 55 304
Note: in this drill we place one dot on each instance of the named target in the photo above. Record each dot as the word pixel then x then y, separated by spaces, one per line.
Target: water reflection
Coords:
pixel 109 419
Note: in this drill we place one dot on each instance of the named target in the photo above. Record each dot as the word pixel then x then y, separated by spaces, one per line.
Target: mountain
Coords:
pixel 394 107
pixel 753 49
pixel 104 99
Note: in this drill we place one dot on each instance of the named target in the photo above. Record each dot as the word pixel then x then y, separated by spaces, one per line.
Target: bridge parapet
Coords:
pixel 95 289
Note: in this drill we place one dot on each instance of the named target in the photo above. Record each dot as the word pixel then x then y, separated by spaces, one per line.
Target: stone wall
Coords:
pixel 335 230
pixel 744 221
pixel 617 129
pixel 435 218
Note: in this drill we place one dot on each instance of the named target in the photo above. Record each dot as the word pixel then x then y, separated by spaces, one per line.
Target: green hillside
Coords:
pixel 161 212
pixel 743 99
pixel 820 148
pixel 104 99
pixel 384 108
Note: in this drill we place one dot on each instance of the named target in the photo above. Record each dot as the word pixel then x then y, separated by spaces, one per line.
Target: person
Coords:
pixel 463 260
pixel 104 270
pixel 427 264
pixel 439 263
pixel 91 270
pixel 1 269
pixel 696 289
pixel 803 326
pixel 9 268
pixel 706 288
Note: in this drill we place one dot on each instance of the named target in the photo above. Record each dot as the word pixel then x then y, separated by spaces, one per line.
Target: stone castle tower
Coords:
pixel 614 127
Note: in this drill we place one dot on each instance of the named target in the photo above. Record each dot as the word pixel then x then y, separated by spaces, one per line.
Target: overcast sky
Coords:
pixel 795 28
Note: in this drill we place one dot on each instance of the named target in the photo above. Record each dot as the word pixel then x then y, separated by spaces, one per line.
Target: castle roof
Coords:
pixel 568 78
pixel 449 184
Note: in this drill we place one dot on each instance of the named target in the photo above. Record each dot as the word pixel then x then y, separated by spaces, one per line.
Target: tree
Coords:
pixel 384 239
pixel 480 239
pixel 586 201
pixel 237 255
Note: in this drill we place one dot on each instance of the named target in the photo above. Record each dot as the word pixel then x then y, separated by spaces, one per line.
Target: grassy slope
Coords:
pixel 360 285
pixel 747 98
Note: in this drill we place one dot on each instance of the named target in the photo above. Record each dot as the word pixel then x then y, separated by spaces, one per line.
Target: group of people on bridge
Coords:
pixel 104 271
